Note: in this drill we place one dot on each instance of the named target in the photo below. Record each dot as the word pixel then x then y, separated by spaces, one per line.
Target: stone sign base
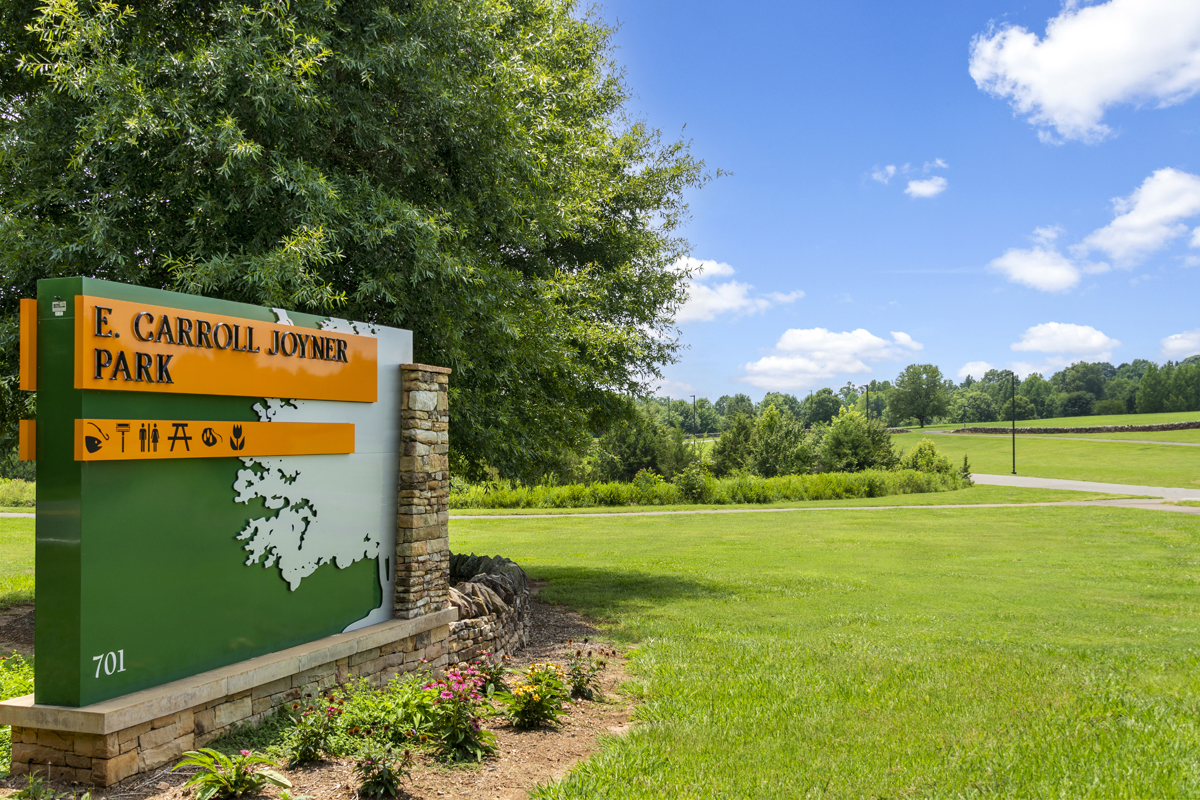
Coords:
pixel 108 742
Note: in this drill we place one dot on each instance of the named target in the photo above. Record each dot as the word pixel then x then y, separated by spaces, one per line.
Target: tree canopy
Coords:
pixel 461 169
pixel 919 392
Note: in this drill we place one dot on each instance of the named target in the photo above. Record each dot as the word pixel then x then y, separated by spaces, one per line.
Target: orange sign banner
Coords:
pixel 28 368
pixel 136 347
pixel 137 439
pixel 27 440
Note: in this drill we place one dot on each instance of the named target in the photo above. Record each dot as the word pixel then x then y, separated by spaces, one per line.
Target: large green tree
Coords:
pixel 919 393
pixel 460 168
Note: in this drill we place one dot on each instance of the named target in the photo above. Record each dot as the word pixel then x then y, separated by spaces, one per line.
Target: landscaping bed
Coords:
pixel 523 758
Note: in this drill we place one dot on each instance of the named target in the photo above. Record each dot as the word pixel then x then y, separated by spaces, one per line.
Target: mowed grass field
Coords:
pixel 1109 462
pixel 1083 422
pixel 16 561
pixel 1017 653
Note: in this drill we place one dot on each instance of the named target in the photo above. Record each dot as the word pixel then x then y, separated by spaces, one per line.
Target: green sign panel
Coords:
pixel 216 481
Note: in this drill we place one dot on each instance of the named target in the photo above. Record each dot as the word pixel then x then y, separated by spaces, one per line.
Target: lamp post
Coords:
pixel 695 419
pixel 1012 382
pixel 866 387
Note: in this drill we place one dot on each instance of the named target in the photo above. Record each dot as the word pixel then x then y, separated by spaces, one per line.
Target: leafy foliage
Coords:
pixel 220 775
pixel 380 770
pixel 926 458
pixel 462 169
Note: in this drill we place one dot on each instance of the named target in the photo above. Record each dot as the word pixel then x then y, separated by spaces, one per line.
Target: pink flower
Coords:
pixel 245 752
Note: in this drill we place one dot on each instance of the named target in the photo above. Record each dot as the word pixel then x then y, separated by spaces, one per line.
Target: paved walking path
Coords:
pixel 11 514
pixel 1072 438
pixel 1165 492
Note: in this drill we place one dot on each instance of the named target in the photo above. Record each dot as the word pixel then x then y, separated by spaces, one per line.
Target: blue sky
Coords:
pixel 989 183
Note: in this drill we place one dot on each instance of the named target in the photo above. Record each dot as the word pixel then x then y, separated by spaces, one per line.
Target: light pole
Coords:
pixel 1012 382
pixel 695 418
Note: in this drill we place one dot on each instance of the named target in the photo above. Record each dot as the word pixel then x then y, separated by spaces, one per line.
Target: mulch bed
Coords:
pixel 526 758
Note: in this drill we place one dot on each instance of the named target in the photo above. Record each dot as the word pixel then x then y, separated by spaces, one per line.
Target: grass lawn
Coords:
pixel 1017 653
pixel 1082 422
pixel 1110 462
pixel 16 561
pixel 973 495
pixel 1192 436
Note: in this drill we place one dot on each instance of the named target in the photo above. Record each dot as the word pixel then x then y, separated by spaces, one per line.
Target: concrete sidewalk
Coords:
pixel 1165 492
pixel 1063 436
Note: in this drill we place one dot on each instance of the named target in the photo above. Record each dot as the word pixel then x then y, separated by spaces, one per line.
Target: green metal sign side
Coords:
pixel 141 578
pixel 57 555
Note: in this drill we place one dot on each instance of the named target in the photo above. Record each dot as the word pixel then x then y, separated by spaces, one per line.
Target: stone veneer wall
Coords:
pixel 492 598
pixel 422 536
pixel 422 563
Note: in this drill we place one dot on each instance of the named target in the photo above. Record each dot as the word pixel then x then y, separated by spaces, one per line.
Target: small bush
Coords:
pixel 693 482
pixel 380 770
pixel 537 696
pixel 17 493
pixel 926 458
pixel 229 776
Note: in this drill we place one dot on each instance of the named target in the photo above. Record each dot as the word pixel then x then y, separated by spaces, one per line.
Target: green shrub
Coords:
pixel 854 443
pixel 926 458
pixel 740 487
pixel 17 493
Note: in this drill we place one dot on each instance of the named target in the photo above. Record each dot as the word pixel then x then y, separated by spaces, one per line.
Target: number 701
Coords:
pixel 110 662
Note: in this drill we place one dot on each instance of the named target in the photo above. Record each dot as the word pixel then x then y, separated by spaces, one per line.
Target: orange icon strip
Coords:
pixel 136 439
pixel 27 440
pixel 135 347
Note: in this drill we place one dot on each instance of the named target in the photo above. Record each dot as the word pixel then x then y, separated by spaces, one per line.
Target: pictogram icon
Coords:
pixel 236 442
pixel 93 443
pixel 180 435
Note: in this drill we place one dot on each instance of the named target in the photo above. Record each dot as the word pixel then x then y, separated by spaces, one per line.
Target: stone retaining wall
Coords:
pixel 1165 426
pixel 492 598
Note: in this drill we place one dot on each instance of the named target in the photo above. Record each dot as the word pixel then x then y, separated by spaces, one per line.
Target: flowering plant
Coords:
pixel 223 776
pixel 309 739
pixel 457 726
pixel 379 770
pixel 491 668
pixel 537 696
pixel 583 671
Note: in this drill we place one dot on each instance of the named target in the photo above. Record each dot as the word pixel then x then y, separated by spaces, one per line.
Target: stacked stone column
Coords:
pixel 423 525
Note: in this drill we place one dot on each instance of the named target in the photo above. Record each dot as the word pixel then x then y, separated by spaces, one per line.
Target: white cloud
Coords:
pixel 1066 338
pixel 810 356
pixel 1146 221
pixel 707 302
pixel 669 388
pixel 976 369
pixel 1048 233
pixel 1042 268
pixel 884 174
pixel 904 340
pixel 929 187
pixel 937 163
pixel 1181 345
pixel 1149 218
pixel 1092 58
